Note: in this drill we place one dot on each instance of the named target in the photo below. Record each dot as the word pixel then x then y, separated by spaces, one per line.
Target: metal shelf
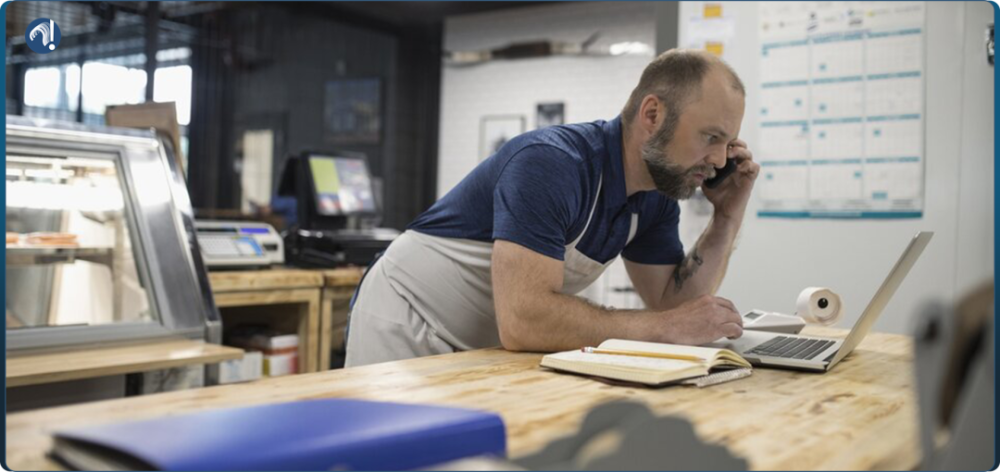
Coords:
pixel 42 255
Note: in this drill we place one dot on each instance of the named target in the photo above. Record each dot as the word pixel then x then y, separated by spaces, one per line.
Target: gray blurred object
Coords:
pixel 540 48
pixel 625 435
pixel 955 382
pixel 618 435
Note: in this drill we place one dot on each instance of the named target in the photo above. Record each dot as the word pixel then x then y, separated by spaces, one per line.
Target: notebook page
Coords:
pixel 705 353
pixel 650 363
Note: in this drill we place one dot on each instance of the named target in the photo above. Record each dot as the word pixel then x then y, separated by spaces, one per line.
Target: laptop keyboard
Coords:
pixel 791 348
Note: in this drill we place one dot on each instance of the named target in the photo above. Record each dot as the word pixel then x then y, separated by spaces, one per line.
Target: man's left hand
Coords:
pixel 731 197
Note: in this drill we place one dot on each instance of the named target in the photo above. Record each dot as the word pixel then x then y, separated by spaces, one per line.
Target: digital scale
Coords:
pixel 232 244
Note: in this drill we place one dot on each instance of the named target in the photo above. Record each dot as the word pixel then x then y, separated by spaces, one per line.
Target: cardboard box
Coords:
pixel 276 365
pixel 250 367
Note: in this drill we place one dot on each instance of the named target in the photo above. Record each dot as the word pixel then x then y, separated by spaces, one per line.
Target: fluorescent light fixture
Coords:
pixel 630 47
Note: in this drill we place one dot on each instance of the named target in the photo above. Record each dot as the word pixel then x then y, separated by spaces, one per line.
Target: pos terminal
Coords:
pixel 336 209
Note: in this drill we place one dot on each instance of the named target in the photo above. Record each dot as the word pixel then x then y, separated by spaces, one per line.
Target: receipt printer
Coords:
pixel 239 244
pixel 759 320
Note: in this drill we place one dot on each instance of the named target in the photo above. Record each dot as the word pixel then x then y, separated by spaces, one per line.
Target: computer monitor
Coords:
pixel 334 197
pixel 341 186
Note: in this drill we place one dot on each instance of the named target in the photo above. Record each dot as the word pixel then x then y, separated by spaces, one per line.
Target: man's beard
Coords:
pixel 670 178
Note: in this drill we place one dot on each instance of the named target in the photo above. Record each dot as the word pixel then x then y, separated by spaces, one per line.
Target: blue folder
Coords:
pixel 326 434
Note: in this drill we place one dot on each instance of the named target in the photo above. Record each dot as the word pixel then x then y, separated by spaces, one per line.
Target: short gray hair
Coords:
pixel 675 78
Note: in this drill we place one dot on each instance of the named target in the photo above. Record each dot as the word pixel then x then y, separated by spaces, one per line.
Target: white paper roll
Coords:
pixel 819 305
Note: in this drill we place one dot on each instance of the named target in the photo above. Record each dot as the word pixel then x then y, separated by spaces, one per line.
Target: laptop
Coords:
pixel 790 351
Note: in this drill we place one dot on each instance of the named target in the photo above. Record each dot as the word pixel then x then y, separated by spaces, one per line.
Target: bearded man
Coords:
pixel 499 259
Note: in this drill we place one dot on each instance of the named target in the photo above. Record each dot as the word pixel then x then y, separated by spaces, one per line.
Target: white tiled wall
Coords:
pixel 590 87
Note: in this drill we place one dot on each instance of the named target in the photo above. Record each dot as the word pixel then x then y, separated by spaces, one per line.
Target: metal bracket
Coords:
pixel 989 44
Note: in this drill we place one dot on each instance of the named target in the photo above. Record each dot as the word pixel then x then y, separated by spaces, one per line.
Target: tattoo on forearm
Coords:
pixel 686 269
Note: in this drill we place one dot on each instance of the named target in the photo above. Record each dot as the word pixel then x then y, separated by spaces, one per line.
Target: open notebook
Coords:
pixel 641 369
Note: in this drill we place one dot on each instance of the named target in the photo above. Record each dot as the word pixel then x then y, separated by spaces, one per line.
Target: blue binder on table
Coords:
pixel 330 434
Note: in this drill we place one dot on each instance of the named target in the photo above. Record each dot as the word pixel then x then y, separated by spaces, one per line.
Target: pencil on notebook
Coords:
pixel 658 355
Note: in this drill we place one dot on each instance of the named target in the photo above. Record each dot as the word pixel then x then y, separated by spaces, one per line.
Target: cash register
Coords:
pixel 335 211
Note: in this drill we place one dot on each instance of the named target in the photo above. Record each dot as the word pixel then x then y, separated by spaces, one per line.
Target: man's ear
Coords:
pixel 651 113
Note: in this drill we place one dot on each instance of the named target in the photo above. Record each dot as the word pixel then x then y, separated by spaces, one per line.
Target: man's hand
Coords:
pixel 702 320
pixel 731 197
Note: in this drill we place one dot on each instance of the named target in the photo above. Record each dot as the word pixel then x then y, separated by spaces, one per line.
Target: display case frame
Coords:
pixel 160 222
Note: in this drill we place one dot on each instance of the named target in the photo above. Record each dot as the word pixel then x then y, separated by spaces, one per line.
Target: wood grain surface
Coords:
pixel 344 276
pixel 98 361
pixel 271 279
pixel 861 415
pixel 296 308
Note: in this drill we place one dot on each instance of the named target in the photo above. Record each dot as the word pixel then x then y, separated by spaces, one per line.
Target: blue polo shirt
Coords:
pixel 538 191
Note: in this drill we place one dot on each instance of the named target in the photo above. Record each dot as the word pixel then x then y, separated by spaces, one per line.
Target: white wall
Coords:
pixel 975 252
pixel 776 258
pixel 591 87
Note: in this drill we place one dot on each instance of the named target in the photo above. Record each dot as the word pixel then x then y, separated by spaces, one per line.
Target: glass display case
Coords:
pixel 100 239
pixel 70 259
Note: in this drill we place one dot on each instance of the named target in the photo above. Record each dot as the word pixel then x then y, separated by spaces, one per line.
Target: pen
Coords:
pixel 658 355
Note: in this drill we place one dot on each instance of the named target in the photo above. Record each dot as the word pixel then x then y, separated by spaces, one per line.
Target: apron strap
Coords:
pixel 593 208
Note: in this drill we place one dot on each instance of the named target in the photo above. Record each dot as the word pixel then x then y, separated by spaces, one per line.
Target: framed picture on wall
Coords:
pixel 496 130
pixel 352 111
pixel 550 114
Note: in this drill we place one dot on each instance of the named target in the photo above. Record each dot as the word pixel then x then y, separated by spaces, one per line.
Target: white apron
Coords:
pixel 432 295
pixel 579 271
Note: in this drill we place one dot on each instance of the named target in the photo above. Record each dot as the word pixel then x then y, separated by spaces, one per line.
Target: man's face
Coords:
pixel 686 149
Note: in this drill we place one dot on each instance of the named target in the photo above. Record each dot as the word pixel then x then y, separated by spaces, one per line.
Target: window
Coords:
pixel 54 91
pixel 173 84
pixel 108 84
pixel 41 87
pixel 49 87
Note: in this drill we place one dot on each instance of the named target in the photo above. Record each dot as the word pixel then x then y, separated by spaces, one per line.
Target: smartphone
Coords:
pixel 721 174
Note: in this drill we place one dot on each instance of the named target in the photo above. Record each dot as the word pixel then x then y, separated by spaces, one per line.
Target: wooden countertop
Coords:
pixel 281 278
pixel 343 277
pixel 269 279
pixel 861 415
pixel 98 361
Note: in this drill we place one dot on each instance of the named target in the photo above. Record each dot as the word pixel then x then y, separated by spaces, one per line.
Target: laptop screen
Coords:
pixel 884 294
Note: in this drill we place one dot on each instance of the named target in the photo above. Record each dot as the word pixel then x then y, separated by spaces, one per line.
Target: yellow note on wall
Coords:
pixel 713 10
pixel 714 48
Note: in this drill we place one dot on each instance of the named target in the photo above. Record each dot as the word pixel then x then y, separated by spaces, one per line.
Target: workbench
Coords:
pixel 861 415
pixel 338 288
pixel 261 292
pixel 318 302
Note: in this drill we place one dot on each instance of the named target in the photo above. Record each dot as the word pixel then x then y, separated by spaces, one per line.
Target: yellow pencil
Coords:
pixel 658 355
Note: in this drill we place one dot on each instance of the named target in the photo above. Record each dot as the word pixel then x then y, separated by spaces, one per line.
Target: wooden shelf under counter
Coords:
pixel 286 299
pixel 321 298
pixel 39 367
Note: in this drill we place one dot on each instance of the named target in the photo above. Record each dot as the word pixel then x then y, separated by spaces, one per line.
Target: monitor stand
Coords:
pixel 336 247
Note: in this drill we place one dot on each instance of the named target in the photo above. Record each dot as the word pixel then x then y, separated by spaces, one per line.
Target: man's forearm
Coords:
pixel 702 270
pixel 556 322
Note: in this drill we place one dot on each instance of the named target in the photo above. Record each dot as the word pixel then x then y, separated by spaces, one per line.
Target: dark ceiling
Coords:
pixel 403 13
pixel 87 16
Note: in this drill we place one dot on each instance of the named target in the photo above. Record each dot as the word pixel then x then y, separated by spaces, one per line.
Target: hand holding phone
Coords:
pixel 721 174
